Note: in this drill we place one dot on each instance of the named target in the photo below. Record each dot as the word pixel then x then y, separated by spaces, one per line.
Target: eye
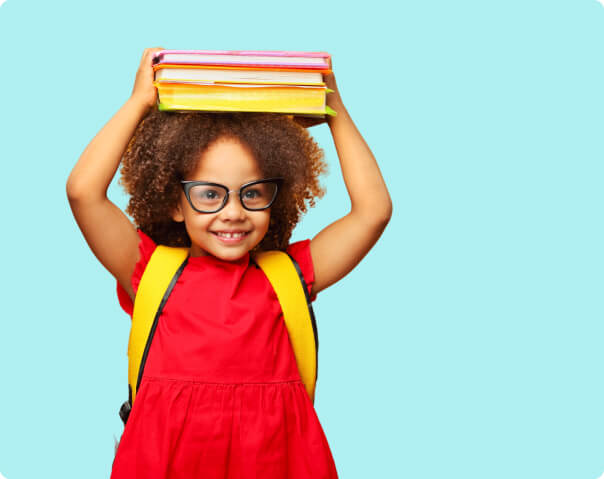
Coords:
pixel 206 194
pixel 209 194
pixel 252 193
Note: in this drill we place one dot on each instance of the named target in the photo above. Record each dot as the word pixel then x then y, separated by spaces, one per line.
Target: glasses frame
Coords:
pixel 187 185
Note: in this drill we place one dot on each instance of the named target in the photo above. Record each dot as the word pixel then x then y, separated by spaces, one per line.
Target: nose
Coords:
pixel 233 210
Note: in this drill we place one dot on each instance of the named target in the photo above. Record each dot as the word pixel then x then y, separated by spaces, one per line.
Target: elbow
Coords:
pixel 73 189
pixel 387 211
pixel 384 218
pixel 80 187
pixel 384 214
pixel 77 190
pixel 377 216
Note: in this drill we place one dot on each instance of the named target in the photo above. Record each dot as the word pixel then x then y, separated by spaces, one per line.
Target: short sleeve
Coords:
pixel 300 251
pixel 146 246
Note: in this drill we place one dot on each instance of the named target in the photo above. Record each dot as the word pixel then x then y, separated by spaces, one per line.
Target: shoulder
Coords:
pixel 300 253
pixel 146 247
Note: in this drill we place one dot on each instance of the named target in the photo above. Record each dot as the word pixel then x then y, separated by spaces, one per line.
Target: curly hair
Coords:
pixel 166 147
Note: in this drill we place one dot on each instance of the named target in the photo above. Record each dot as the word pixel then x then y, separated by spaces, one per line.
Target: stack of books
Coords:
pixel 254 81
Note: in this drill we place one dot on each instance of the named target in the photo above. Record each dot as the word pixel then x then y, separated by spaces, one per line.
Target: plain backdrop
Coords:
pixel 467 345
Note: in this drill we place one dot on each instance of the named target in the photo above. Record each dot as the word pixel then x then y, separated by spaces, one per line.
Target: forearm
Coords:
pixel 364 182
pixel 97 165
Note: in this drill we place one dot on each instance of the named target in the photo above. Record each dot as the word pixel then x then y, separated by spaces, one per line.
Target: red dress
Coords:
pixel 221 395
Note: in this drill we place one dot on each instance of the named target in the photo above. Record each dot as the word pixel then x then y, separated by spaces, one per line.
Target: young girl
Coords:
pixel 221 395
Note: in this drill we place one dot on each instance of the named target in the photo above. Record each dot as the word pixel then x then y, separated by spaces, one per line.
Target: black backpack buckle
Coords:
pixel 125 411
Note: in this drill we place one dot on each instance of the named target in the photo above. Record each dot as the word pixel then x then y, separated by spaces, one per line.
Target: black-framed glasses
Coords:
pixel 207 197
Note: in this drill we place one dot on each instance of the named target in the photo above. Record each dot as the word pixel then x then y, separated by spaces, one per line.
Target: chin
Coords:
pixel 230 256
pixel 229 253
pixel 235 251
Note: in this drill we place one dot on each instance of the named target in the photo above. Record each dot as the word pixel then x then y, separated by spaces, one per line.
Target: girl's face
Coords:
pixel 233 231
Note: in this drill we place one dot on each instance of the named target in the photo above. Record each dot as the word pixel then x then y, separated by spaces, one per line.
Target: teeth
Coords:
pixel 230 235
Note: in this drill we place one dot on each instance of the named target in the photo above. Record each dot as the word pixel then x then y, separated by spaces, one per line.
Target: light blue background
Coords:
pixel 467 345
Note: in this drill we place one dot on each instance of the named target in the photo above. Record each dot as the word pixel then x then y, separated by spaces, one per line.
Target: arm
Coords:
pixel 338 248
pixel 107 230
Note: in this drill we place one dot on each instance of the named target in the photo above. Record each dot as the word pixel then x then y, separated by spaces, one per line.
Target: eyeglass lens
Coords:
pixel 210 198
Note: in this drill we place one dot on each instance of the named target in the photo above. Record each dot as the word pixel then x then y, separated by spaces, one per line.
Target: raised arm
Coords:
pixel 338 248
pixel 107 230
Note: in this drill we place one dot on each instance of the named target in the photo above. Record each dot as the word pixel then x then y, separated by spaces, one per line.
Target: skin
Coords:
pixel 113 238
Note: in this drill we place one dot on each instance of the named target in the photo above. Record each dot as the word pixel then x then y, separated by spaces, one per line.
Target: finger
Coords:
pixel 152 51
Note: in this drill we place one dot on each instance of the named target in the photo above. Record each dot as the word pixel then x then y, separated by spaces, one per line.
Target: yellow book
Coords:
pixel 299 100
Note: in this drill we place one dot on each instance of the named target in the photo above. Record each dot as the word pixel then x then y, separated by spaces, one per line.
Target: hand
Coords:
pixel 143 89
pixel 333 101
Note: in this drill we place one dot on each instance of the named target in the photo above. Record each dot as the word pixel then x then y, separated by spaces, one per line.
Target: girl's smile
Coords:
pixel 230 237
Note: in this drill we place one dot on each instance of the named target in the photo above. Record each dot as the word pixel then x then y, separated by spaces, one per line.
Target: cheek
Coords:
pixel 266 221
pixel 202 221
pixel 261 223
pixel 196 222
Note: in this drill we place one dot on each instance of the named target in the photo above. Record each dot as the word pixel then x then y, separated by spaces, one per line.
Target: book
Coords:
pixel 252 81
pixel 292 99
pixel 282 59
pixel 211 74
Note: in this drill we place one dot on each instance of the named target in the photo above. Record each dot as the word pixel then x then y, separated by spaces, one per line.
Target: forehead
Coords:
pixel 227 161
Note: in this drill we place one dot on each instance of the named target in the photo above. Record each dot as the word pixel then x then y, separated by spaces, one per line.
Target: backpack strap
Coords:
pixel 163 270
pixel 286 278
pixel 164 267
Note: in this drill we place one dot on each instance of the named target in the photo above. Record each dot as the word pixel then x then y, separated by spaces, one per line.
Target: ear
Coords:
pixel 177 214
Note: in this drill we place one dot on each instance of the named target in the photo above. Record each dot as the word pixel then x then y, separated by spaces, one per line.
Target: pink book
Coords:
pixel 245 58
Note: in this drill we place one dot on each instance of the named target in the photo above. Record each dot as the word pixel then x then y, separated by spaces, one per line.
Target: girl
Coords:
pixel 221 396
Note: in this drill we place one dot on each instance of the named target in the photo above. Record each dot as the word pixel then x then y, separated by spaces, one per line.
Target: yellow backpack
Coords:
pixel 165 266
